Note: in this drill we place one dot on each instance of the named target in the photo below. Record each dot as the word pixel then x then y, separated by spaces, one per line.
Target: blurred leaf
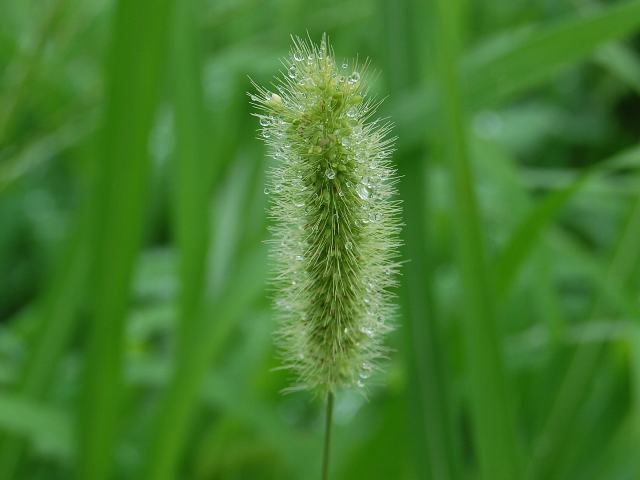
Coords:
pixel 493 429
pixel 121 176
pixel 576 382
pixel 543 52
pixel 526 235
pixel 47 429
pixel 499 70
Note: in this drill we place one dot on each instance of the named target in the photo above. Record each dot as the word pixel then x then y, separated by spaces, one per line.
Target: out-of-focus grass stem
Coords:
pixel 493 430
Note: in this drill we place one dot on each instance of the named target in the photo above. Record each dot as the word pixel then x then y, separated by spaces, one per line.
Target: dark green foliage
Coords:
pixel 518 168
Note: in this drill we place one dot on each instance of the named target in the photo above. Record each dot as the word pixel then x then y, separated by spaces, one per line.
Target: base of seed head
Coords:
pixel 334 239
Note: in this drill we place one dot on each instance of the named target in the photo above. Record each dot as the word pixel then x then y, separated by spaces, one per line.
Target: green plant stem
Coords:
pixel 493 426
pixel 327 437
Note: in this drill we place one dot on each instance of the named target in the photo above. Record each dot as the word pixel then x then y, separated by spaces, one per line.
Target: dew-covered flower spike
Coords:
pixel 336 222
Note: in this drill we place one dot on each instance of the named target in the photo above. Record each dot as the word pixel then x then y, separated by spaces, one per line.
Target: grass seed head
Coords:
pixel 336 223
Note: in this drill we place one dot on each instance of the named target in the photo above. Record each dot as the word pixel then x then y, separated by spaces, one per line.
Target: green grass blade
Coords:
pixel 122 175
pixel 191 202
pixel 621 62
pixel 527 234
pixel 493 74
pixel 179 405
pixel 536 57
pixel 493 430
pixel 575 386
pixel 430 388
pixel 192 185
pixel 433 449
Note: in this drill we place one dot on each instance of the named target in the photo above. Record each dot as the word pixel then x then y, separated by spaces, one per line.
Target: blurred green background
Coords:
pixel 135 320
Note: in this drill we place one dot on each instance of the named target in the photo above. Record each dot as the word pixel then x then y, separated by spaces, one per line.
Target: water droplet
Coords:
pixel 366 370
pixel 297 56
pixel 373 217
pixel 341 193
pixel 360 384
pixel 275 98
pixel 349 185
pixel 346 330
pixel 299 204
pixel 266 191
pixel 362 191
pixel 330 173
pixel 254 98
pixel 265 121
pixel 345 65
pixel 293 71
pixel 299 258
pixel 348 245
pixel 367 331
pixel 352 112
pixel 346 141
pixel 266 134
pixel 341 79
pixel 310 58
pixel 353 78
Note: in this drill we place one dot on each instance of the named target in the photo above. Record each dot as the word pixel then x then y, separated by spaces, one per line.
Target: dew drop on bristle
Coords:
pixel 362 191
pixel 330 173
pixel 293 72
pixel 297 56
pixel 353 78
pixel 368 332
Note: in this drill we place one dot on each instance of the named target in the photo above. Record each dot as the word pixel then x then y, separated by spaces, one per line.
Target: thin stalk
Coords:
pixel 327 437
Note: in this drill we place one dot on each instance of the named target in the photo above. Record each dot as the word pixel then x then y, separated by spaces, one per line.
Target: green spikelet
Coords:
pixel 336 225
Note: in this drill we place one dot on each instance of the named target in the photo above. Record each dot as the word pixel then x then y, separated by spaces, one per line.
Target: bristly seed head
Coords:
pixel 336 224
